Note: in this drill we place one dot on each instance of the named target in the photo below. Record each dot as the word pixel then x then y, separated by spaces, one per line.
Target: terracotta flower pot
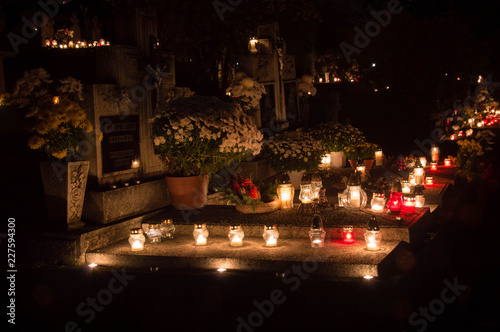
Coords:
pixel 369 164
pixel 353 164
pixel 189 192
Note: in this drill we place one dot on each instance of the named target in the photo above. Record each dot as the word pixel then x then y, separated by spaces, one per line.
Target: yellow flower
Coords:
pixel 58 153
pixel 88 126
pixel 36 142
pixel 99 137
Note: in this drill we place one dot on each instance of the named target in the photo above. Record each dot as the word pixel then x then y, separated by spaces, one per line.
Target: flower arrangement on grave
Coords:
pixel 58 122
pixel 247 92
pixel 306 88
pixel 474 162
pixel 202 135
pixel 242 191
pixel 293 151
pixel 336 137
pixel 363 150
pixel 64 35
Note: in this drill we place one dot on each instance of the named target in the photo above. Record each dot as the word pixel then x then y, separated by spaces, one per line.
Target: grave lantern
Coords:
pixel 361 169
pixel 316 185
pixel 306 195
pixel 409 203
pixel 317 233
pixel 200 234
pixel 236 236
pixel 418 172
pixel 378 158
pixel 271 235
pixel 136 239
pixel 285 191
pixel 154 233
pixel 167 229
pixel 373 237
pixel 447 162
pixel 423 161
pixel 434 166
pixel 419 196
pixel 405 186
pixel 348 234
pixel 253 45
pixel 378 201
pixel 353 196
pixel 395 202
pixel 435 153
pixel 429 181
pixel 326 160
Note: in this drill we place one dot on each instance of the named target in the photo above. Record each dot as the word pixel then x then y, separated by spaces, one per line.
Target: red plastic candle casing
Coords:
pixel 429 181
pixel 434 167
pixel 348 234
pixel 395 202
pixel 409 204
pixel 447 162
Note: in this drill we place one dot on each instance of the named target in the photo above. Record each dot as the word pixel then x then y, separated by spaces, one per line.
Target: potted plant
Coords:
pixel 59 126
pixel 247 92
pixel 293 152
pixel 368 154
pixel 336 137
pixel 198 136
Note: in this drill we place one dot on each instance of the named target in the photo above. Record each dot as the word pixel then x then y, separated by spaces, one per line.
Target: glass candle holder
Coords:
pixel 154 233
pixel 378 201
pixel 353 196
pixel 411 179
pixel 236 236
pixel 405 186
pixel 419 173
pixel 317 233
pixel 271 236
pixel 167 229
pixel 373 236
pixel 429 181
pixel 306 193
pixel 434 166
pixel 286 193
pixel 434 153
pixel 341 204
pixel 200 234
pixel 316 185
pixel 326 160
pixel 423 161
pixel 419 197
pixel 348 234
pixel 395 202
pixel 447 162
pixel 136 239
pixel 378 158
pixel 409 204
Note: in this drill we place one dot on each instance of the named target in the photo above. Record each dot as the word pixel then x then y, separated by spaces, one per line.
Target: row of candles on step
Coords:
pixel 317 234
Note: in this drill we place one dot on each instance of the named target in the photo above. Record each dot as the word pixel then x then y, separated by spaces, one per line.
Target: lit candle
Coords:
pixel 271 235
pixel 252 45
pixel 326 160
pixel 434 166
pixel 378 201
pixel 447 162
pixel 423 161
pixel 136 239
pixel 409 204
pixel 200 234
pixel 285 191
pixel 136 163
pixel 201 240
pixel 236 236
pixel 405 187
pixel 435 154
pixel 373 237
pixel 355 202
pixel 429 181
pixel 378 158
pixel 348 234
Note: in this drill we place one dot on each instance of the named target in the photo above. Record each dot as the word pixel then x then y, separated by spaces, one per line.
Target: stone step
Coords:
pixel 336 259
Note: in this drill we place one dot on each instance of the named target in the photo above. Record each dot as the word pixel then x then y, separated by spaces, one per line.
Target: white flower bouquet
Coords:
pixel 293 151
pixel 247 92
pixel 202 135
pixel 336 137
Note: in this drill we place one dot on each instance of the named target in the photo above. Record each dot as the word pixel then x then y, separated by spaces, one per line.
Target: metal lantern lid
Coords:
pixel 167 221
pixel 306 179
pixel 154 226
pixel 360 162
pixel 235 227
pixel 136 231
pixel 283 178
pixel 373 225
pixel 396 186
pixel 316 178
pixel 419 190
pixel 354 180
pixel 418 164
pixel 317 223
pixel 270 228
pixel 200 226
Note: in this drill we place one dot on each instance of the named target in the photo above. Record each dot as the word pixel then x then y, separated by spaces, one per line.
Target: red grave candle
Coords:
pixel 348 234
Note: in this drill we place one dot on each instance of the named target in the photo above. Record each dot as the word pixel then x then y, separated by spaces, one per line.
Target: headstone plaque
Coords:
pixel 120 142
